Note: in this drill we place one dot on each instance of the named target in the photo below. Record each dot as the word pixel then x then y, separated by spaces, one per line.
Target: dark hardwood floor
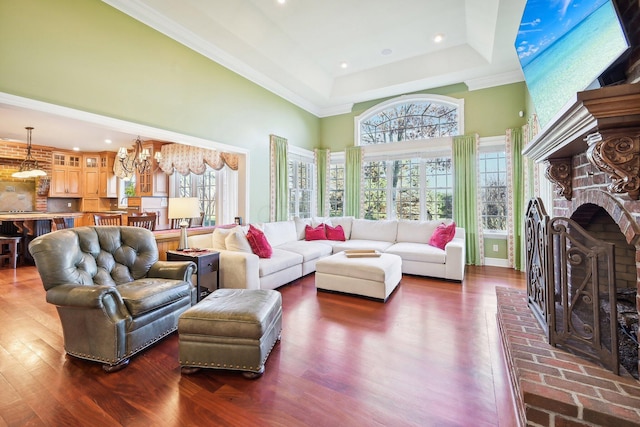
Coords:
pixel 430 356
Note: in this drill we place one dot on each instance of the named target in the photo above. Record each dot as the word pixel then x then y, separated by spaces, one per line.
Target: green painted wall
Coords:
pixel 501 253
pixel 86 55
pixel 489 112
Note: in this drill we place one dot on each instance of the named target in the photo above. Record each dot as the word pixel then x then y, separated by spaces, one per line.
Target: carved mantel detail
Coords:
pixel 559 172
pixel 617 155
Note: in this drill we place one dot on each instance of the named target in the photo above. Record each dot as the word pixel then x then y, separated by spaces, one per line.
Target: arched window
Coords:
pixel 410 118
pixel 407 167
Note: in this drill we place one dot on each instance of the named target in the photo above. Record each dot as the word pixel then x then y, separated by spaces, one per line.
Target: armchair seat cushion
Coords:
pixel 148 294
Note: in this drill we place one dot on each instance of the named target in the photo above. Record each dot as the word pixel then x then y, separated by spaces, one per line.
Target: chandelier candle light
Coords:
pixel 29 167
pixel 184 208
pixel 138 160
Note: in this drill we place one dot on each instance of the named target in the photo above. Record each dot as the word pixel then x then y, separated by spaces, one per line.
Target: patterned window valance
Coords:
pixel 186 159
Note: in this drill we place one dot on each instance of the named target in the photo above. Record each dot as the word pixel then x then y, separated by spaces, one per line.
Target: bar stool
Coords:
pixel 9 250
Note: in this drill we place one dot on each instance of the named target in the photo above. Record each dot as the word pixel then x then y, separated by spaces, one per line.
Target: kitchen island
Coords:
pixel 30 225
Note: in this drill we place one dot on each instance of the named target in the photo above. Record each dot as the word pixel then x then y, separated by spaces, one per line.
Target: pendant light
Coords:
pixel 29 167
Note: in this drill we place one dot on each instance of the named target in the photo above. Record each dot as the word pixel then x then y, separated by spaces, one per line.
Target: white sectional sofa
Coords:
pixel 294 257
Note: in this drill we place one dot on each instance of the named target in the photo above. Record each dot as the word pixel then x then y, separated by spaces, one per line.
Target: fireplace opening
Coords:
pixel 599 224
pixel 582 283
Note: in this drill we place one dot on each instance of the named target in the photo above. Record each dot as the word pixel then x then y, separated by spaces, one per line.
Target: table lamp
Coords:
pixel 184 208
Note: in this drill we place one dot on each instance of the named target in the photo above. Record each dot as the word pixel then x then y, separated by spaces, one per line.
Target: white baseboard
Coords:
pixel 497 262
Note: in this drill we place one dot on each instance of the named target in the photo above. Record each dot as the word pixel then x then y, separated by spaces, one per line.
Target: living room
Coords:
pixel 103 56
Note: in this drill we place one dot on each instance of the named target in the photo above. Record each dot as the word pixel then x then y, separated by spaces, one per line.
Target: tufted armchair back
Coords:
pixel 105 255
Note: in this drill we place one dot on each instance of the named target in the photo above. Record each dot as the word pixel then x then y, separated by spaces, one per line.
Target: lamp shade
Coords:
pixel 184 207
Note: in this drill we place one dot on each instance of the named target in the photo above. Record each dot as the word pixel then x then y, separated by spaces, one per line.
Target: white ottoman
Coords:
pixel 374 277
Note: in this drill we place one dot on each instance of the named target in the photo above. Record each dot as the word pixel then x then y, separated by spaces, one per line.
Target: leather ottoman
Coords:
pixel 374 277
pixel 230 329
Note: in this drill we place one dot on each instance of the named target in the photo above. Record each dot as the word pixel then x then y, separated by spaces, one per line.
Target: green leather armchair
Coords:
pixel 113 296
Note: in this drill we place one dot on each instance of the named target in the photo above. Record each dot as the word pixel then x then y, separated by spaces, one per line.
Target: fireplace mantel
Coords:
pixel 609 109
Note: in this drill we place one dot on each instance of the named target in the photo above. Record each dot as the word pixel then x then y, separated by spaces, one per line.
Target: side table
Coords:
pixel 208 263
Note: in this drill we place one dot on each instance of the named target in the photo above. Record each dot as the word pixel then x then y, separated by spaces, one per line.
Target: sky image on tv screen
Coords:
pixel 565 45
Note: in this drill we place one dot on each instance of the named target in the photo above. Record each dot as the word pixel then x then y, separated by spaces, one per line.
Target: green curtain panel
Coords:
pixel 465 194
pixel 279 181
pixel 517 189
pixel 353 171
pixel 322 165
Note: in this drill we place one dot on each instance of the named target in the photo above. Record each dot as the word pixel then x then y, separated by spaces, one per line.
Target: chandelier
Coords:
pixel 138 159
pixel 29 167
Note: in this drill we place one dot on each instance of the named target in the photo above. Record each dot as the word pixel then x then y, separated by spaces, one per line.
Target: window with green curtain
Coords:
pixel 353 171
pixel 322 165
pixel 336 189
pixel 518 202
pixel 279 179
pixel 465 194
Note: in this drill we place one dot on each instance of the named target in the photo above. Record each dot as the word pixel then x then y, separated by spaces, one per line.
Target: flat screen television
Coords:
pixel 564 46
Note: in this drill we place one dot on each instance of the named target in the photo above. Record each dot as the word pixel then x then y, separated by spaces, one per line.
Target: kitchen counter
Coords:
pixel 26 216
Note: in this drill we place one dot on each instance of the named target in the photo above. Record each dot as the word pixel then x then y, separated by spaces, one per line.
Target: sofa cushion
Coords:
pixel 442 235
pixel 416 231
pixel 279 232
pixel 367 229
pixel 345 222
pixel 237 241
pixel 280 260
pixel 301 223
pixel 419 252
pixel 360 244
pixel 334 233
pixel 308 250
pixel 317 220
pixel 315 233
pixel 219 236
pixel 148 294
pixel 258 242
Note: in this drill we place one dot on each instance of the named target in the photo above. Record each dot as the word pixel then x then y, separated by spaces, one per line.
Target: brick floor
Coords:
pixel 555 388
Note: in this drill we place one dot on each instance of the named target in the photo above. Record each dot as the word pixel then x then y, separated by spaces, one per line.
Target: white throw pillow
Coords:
pixel 301 223
pixel 219 236
pixel 317 220
pixel 237 241
pixel 345 222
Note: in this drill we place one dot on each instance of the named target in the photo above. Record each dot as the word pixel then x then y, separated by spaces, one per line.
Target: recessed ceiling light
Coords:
pixel 438 38
pixel 76 148
pixel 107 141
pixel 282 1
pixel 344 64
pixel 386 52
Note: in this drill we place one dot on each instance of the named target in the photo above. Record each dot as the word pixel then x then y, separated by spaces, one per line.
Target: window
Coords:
pixel 375 190
pixel 204 188
pixel 336 189
pixel 493 190
pixel 438 188
pixel 301 188
pixel 410 118
pixel 412 189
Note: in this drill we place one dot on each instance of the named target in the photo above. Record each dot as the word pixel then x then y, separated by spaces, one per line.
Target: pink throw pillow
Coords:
pixel 442 235
pixel 334 233
pixel 317 233
pixel 259 243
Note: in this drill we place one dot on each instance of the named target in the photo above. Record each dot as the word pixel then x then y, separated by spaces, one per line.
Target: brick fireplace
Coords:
pixel 592 156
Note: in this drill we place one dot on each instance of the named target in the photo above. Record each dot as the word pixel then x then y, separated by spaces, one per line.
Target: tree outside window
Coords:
pixel 493 190
pixel 336 189
pixel 204 188
pixel 300 188
pixel 410 121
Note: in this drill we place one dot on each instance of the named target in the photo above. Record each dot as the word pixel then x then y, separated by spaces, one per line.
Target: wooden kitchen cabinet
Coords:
pixel 66 175
pixel 108 182
pixel 91 164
